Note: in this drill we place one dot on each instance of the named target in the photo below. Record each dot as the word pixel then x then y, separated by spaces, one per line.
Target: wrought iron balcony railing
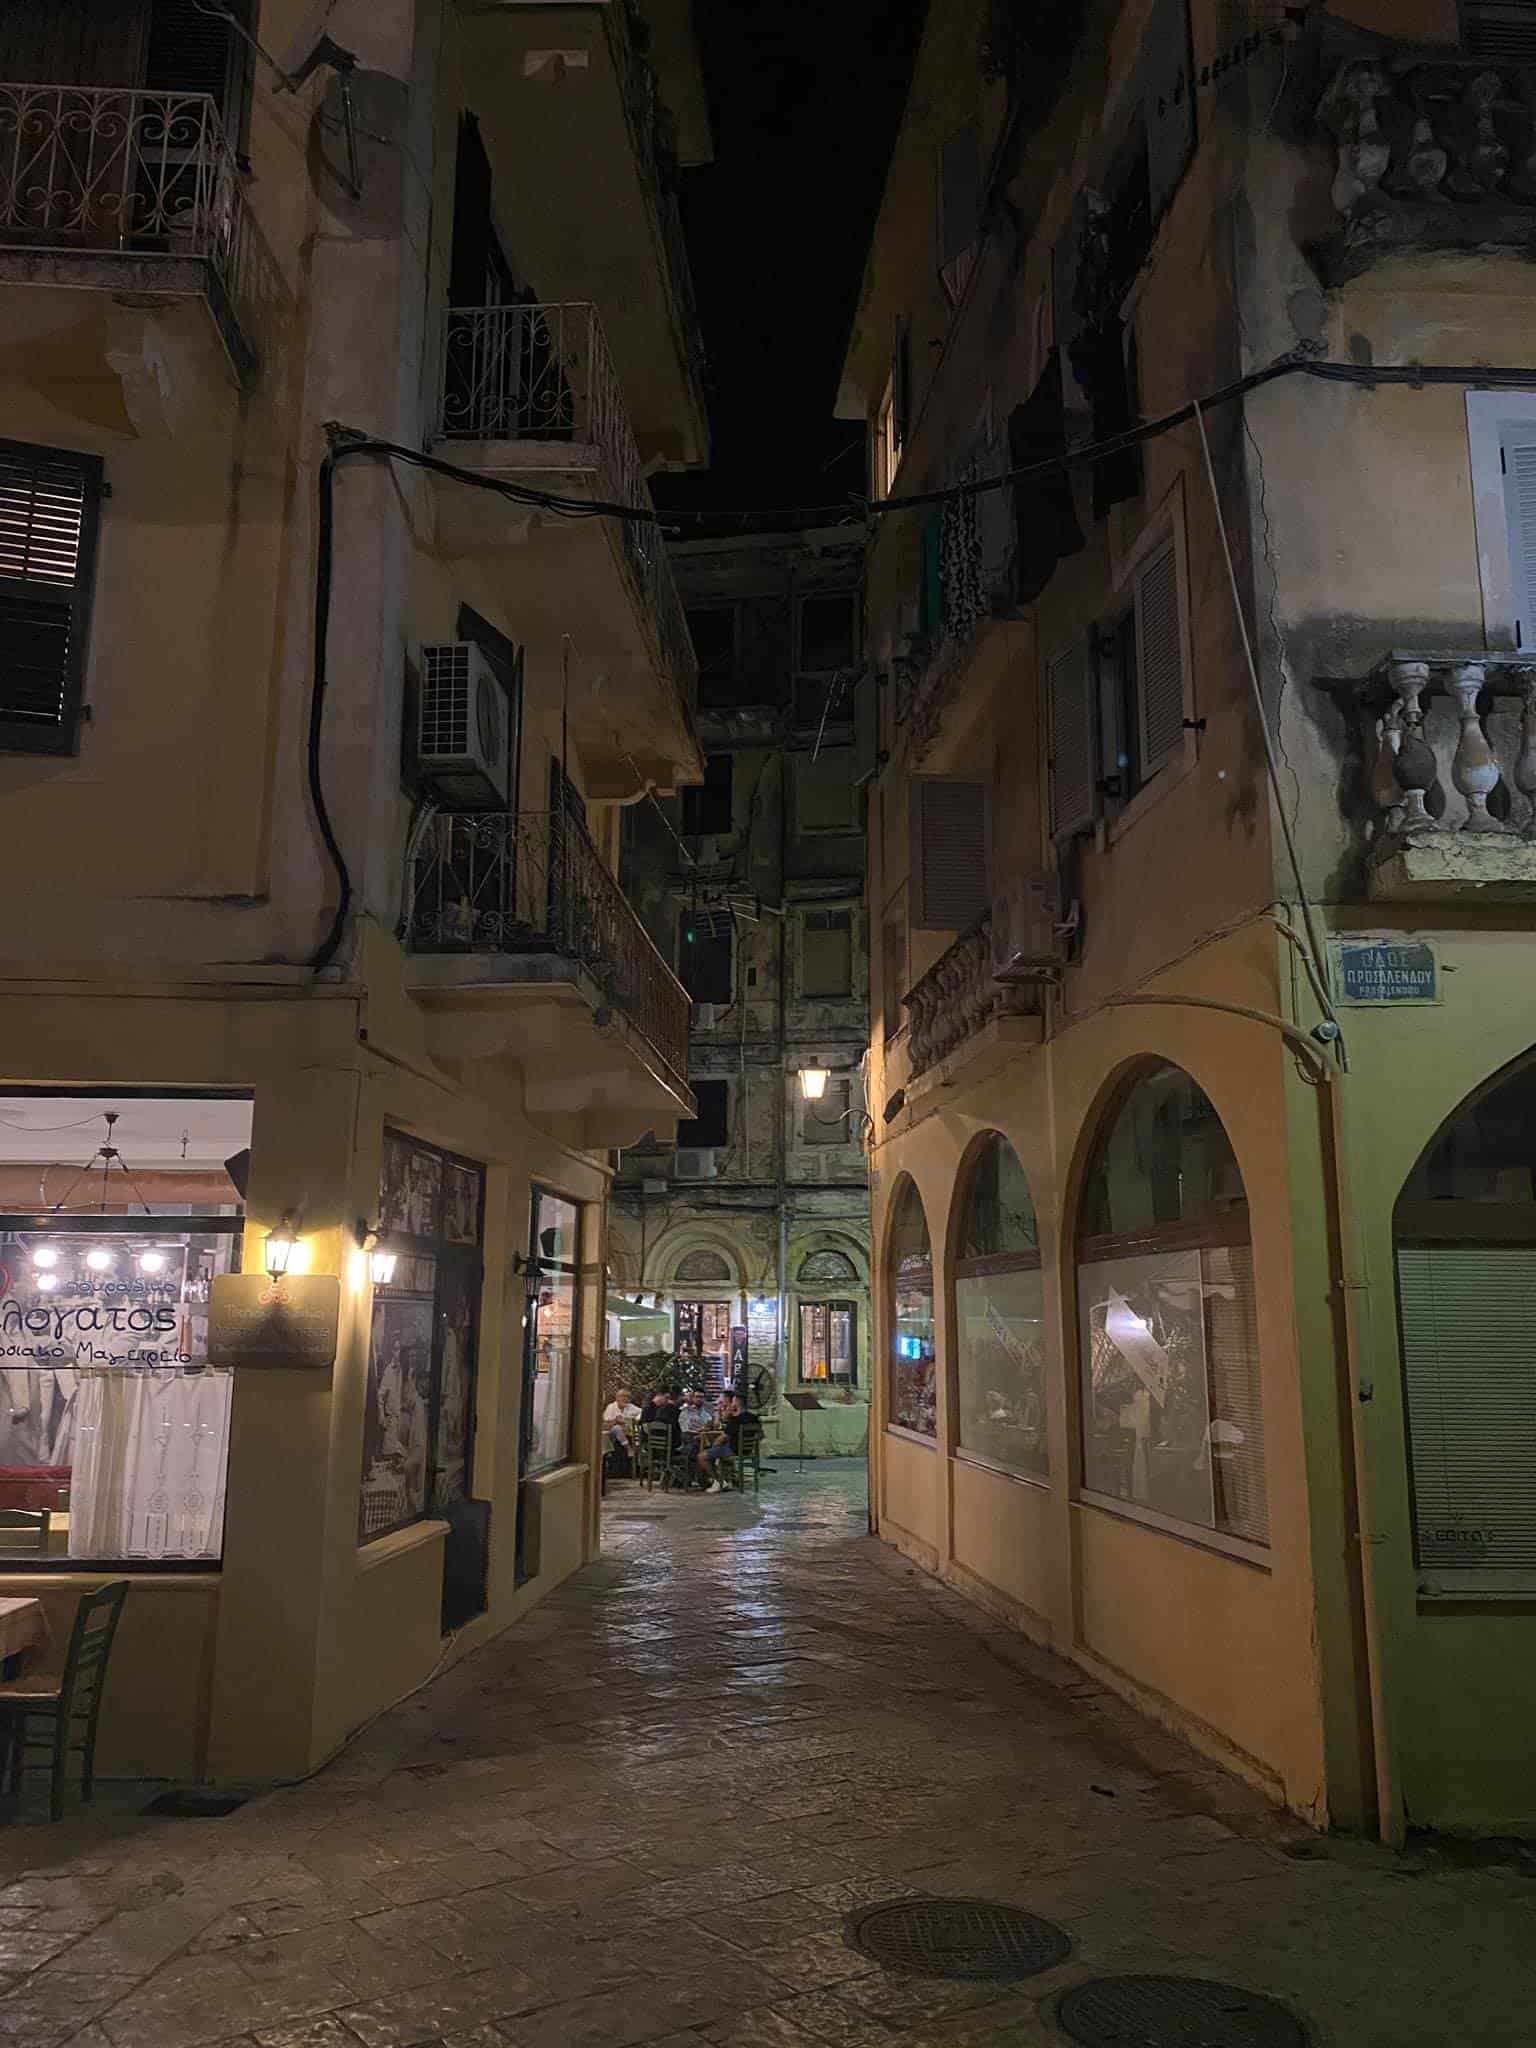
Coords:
pixel 105 170
pixel 532 882
pixel 957 997
pixel 543 373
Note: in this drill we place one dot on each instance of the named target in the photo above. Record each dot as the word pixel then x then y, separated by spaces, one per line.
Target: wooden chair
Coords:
pixel 748 1456
pixel 57 1713
pixel 657 1448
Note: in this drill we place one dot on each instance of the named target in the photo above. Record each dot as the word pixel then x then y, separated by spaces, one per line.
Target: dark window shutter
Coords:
pixel 49 501
pixel 711 1127
pixel 72 42
pixel 1517 452
pixel 473 236
pixel 1159 660
pixel 1044 510
pixel 1071 742
pixel 949 852
pixel 1168 100
pixel 707 805
pixel 1503 30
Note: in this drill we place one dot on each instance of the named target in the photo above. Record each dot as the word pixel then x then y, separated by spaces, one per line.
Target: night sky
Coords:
pixel 804 97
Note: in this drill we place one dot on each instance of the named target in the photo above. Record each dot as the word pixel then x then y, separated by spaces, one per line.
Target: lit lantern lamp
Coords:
pixel 279 1247
pixel 813 1083
pixel 381 1265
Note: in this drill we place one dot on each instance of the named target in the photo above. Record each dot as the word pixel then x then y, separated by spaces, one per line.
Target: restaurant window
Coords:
pixel 119 1213
pixel 914 1397
pixel 704 1330
pixel 1172 1421
pixel 1464 1230
pixel 1000 1317
pixel 419 1406
pixel 827 1330
pixel 554 1254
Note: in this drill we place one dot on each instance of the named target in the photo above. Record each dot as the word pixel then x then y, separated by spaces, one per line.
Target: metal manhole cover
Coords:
pixel 956 1938
pixel 1175 2012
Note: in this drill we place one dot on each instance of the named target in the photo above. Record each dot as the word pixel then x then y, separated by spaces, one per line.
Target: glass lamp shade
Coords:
pixel 381 1265
pixel 278 1251
pixel 813 1083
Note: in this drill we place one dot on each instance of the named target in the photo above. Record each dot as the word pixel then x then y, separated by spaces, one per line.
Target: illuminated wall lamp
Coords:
pixel 381 1259
pixel 280 1244
pixel 813 1083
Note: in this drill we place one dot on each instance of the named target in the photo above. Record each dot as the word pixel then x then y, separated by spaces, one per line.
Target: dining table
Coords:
pixel 24 1632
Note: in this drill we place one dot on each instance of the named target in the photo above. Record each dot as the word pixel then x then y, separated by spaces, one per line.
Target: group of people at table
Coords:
pixel 701 1433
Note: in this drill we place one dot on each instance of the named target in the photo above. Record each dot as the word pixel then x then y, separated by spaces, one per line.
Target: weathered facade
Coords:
pixel 312 760
pixel 1205 1214
pixel 757 1220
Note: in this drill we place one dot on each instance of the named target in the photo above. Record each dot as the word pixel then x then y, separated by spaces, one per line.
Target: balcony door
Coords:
pixel 157 45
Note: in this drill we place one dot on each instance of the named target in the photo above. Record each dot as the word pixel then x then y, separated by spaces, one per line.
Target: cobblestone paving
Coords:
pixel 641 1815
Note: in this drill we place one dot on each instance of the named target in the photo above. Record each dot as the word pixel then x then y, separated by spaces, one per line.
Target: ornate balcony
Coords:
pixel 122 190
pixel 522 943
pixel 959 1017
pixel 529 394
pixel 1433 151
pixel 1449 748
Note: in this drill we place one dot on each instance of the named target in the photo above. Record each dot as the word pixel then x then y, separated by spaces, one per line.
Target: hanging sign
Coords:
pixel 1371 971
pixel 254 1320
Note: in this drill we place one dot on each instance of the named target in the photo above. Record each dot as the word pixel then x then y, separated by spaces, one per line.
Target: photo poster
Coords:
pixel 397 1414
pixel 410 1188
pixel 458 1315
pixel 1148 1393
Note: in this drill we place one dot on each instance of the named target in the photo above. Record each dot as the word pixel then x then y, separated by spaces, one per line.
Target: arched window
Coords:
pixel 1465 1235
pixel 1000 1317
pixel 826 1267
pixel 702 1266
pixel 913 1395
pixel 1171 1416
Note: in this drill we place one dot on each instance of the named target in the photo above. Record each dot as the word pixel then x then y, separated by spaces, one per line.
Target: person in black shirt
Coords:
pixel 728 1446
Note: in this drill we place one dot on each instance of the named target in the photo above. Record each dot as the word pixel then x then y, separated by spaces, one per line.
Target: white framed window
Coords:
pixel 887 439
pixel 1501 439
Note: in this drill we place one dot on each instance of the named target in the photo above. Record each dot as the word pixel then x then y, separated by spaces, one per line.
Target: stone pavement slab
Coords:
pixel 638 1819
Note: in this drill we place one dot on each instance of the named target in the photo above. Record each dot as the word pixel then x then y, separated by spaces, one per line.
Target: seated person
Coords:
pixel 620 1412
pixel 728 1446
pixel 693 1415
pixel 660 1407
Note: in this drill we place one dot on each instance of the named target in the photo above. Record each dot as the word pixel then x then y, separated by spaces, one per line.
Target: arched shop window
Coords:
pixel 1000 1316
pixel 697 1266
pixel 1172 1422
pixel 914 1396
pixel 1464 1230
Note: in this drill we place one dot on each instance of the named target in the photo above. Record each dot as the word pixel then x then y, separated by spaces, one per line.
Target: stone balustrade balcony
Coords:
pixel 1449 750
pixel 960 1017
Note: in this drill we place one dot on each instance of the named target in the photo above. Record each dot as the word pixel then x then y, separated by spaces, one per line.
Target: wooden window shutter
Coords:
pixel 1071 742
pixel 1517 458
pixel 1159 659
pixel 49 500
pixel 949 852
pixel 1167 100
pixel 1503 31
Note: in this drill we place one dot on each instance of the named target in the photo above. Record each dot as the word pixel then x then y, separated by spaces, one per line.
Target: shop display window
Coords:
pixel 1172 1417
pixel 914 1393
pixel 419 1411
pixel 114 1429
pixel 1000 1317
pixel 704 1330
pixel 555 1257
pixel 827 1352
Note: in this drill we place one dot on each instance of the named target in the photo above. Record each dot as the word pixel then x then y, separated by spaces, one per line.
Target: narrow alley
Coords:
pixel 642 1815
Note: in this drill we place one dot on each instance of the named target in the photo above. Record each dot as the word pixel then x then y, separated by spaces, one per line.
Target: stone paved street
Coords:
pixel 640 1817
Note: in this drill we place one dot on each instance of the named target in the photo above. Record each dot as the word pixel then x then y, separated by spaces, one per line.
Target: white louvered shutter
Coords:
pixel 1159 660
pixel 1517 457
pixel 949 852
pixel 48 503
pixel 1071 742
pixel 1467 1313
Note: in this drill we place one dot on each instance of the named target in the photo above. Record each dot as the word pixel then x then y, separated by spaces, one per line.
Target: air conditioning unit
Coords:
pixel 1031 926
pixel 461 739
pixel 693 1163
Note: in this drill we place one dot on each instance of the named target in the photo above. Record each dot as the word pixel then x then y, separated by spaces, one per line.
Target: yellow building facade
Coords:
pixel 313 760
pixel 1202 1170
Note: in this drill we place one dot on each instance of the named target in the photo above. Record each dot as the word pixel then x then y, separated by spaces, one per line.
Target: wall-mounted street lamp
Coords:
pixel 280 1245
pixel 382 1259
pixel 813 1083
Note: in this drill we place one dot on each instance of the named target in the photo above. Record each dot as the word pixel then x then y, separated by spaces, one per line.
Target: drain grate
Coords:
pixel 194 1802
pixel 1175 2012
pixel 956 1938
